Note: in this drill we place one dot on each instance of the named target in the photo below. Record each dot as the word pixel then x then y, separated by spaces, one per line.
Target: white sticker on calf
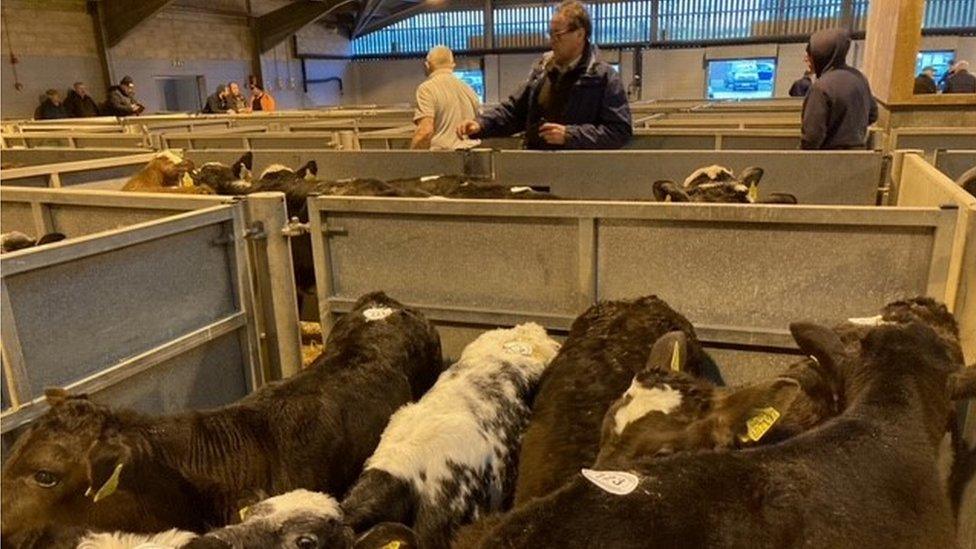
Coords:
pixel 618 483
pixel 377 313
pixel 517 190
pixel 867 321
pixel 518 348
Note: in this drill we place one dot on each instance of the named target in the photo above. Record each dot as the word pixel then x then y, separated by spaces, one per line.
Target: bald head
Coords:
pixel 961 66
pixel 440 57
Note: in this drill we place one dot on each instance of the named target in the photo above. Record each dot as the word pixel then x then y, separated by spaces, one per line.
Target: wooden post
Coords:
pixel 894 32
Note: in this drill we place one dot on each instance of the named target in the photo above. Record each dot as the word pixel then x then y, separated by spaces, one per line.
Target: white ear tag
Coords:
pixel 377 313
pixel 518 348
pixel 618 483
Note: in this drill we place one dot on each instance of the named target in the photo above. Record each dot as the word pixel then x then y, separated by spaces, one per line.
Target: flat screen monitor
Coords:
pixel 741 78
pixel 940 60
pixel 474 78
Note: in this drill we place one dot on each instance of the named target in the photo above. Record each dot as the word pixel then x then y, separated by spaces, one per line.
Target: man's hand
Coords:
pixel 467 128
pixel 554 134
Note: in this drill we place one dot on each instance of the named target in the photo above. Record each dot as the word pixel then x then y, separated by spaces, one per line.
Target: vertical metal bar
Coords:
pixel 587 290
pixel 15 368
pixel 249 336
pixel 488 25
pixel 275 278
pixel 54 180
pixel 43 223
pixel 324 281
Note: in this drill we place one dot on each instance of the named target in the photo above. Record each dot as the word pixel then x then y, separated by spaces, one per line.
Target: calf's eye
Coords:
pixel 306 541
pixel 46 479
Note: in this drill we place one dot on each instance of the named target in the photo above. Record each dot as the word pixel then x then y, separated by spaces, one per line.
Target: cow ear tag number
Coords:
pixel 110 486
pixel 377 313
pixel 618 483
pixel 759 424
pixel 518 348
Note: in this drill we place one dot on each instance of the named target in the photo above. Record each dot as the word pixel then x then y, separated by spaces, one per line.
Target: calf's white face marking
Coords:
pixel 275 168
pixel 644 401
pixel 377 313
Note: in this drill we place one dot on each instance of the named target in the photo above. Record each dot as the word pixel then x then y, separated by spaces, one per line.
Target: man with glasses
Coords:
pixel 572 100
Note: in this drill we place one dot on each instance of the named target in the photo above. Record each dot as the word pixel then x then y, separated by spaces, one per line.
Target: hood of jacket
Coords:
pixel 828 49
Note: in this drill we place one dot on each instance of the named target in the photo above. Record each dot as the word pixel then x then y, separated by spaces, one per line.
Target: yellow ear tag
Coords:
pixel 243 512
pixel 676 358
pixel 759 424
pixel 110 485
pixel 186 181
pixel 392 545
pixel 753 192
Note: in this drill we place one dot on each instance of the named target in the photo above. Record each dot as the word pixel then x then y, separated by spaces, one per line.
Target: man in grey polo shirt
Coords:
pixel 443 102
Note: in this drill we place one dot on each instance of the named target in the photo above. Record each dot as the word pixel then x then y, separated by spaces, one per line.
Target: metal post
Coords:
pixel 489 26
pixel 275 279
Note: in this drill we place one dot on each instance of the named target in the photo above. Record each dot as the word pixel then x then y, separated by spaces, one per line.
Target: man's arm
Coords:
pixel 423 134
pixel 613 129
pixel 509 117
pixel 814 126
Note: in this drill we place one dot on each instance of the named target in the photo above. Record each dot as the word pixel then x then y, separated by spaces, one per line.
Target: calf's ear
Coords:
pixel 107 459
pixel 962 385
pixel 669 189
pixel 309 170
pixel 244 162
pixel 752 410
pixel 822 343
pixel 669 352
pixel 751 176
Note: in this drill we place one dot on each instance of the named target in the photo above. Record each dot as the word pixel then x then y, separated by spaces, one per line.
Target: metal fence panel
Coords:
pixel 346 164
pixel 763 276
pixel 955 163
pixel 853 177
pixel 740 273
pixel 123 302
pixel 42 156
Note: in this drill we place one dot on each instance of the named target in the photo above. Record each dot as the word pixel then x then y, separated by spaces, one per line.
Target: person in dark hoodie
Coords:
pixel 802 85
pixel 79 104
pixel 572 100
pixel 839 106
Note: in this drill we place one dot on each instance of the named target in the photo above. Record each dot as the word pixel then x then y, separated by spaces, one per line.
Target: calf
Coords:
pixel 194 470
pixel 607 345
pixel 168 172
pixel 451 456
pixel 666 411
pixel 223 179
pixel 13 241
pixel 718 184
pixel 866 478
pixel 445 459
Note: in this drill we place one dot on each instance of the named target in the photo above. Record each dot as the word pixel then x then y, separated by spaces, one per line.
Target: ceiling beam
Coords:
pixel 396 17
pixel 275 27
pixel 365 14
pixel 121 17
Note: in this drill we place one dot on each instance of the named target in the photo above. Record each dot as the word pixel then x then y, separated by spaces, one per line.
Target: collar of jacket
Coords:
pixel 439 72
pixel 589 60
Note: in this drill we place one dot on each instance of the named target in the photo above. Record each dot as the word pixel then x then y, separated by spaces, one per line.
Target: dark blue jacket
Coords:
pixel 597 115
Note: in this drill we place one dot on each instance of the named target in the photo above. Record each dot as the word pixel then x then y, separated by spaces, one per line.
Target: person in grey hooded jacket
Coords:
pixel 839 106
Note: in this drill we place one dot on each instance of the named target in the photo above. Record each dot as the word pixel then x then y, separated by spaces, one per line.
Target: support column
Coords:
pixel 894 32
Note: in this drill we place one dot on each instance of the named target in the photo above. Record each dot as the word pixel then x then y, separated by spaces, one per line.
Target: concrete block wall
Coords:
pixel 55 45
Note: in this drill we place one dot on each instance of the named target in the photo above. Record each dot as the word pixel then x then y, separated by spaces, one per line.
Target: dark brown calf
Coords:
pixel 85 464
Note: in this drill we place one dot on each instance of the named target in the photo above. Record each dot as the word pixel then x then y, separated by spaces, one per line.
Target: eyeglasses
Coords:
pixel 556 34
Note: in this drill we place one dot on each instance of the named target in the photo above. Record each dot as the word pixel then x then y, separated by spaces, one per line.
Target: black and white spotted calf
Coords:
pixel 450 457
pixel 718 184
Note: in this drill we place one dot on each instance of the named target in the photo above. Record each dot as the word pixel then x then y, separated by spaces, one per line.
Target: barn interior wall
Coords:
pixel 183 41
pixel 54 42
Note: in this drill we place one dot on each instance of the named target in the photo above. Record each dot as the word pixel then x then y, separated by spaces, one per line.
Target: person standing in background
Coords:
pixel 925 82
pixel 572 100
pixel 961 80
pixel 443 102
pixel 51 108
pixel 79 104
pixel 122 99
pixel 235 99
pixel 217 103
pixel 261 100
pixel 802 85
pixel 839 106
